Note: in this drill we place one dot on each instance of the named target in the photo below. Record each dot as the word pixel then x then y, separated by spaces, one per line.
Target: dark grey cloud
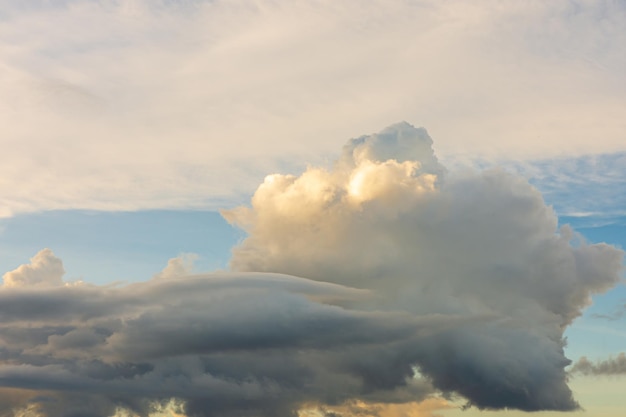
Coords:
pixel 219 344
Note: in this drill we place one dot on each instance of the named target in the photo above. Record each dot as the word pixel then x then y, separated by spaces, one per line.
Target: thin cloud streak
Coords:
pixel 611 366
pixel 588 186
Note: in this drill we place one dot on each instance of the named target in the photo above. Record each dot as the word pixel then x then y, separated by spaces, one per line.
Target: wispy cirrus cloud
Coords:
pixel 174 104
pixel 588 189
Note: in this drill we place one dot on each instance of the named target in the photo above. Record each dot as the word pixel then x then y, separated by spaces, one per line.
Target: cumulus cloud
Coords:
pixel 178 267
pixel 480 244
pixel 45 269
pixel 375 286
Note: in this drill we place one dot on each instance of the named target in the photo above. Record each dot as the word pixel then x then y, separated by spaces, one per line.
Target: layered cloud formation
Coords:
pixel 380 281
pixel 221 345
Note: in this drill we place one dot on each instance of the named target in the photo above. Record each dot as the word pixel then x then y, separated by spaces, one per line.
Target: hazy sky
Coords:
pixel 271 208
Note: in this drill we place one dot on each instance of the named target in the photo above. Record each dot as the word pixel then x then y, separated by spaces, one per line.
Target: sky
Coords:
pixel 271 208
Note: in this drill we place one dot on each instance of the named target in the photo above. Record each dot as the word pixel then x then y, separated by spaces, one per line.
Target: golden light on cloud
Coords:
pixel 427 408
pixel 370 180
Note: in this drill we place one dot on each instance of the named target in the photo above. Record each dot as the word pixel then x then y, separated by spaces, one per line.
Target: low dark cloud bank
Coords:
pixel 223 344
pixel 381 280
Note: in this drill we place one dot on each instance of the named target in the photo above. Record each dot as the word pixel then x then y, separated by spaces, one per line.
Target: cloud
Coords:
pixel 45 269
pixel 178 267
pixel 590 187
pixel 426 408
pixel 611 366
pixel 614 315
pixel 375 286
pixel 480 244
pixel 187 104
pixel 217 344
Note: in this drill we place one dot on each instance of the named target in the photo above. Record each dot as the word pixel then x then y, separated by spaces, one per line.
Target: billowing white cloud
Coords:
pixel 148 104
pixel 45 269
pixel 480 244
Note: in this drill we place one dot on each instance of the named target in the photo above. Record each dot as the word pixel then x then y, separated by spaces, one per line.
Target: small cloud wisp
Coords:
pixel 610 366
